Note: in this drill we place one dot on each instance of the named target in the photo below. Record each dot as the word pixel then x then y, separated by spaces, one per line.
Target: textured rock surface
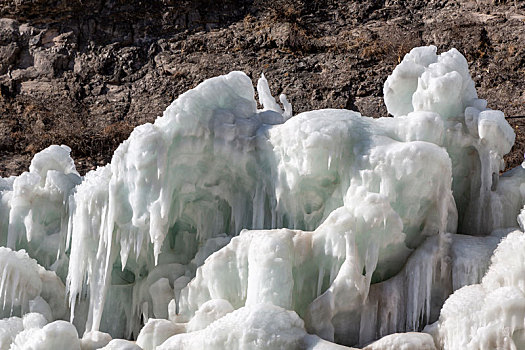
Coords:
pixel 84 73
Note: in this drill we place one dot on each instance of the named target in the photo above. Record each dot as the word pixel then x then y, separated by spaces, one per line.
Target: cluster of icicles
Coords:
pixel 225 226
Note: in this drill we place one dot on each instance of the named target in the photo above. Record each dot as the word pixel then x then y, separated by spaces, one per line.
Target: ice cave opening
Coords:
pixel 225 226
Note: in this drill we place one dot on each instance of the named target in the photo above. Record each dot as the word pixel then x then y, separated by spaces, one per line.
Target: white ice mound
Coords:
pixel 213 164
pixel 425 81
pixel 261 326
pixel 26 287
pixel 9 328
pixel 248 227
pixel 56 335
pixel 39 207
pixel 404 341
pixel 490 315
pixel 476 138
pixel 20 280
pixel 94 340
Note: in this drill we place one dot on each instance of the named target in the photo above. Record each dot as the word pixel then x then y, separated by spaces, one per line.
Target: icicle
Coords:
pixel 287 107
pixel 265 96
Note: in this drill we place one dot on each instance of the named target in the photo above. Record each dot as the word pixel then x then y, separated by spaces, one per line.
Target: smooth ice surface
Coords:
pixel 94 340
pixel 404 341
pixel 120 344
pixel 156 331
pixel 222 225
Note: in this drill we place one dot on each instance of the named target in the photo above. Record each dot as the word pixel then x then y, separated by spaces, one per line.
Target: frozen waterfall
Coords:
pixel 225 226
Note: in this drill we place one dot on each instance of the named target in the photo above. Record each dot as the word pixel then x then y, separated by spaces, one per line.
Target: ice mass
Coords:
pixel 225 226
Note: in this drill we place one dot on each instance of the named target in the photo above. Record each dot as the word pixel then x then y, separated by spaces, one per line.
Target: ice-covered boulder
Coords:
pixel 404 341
pixel 260 326
pixel 94 340
pixel 156 331
pixel 55 335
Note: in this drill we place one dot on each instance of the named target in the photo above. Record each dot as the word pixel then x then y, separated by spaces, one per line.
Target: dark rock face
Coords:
pixel 85 72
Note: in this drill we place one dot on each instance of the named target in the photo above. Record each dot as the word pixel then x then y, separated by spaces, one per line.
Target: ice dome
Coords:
pixel 225 225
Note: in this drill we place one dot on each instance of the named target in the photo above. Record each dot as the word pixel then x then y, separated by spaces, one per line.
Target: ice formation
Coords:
pixel 226 226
